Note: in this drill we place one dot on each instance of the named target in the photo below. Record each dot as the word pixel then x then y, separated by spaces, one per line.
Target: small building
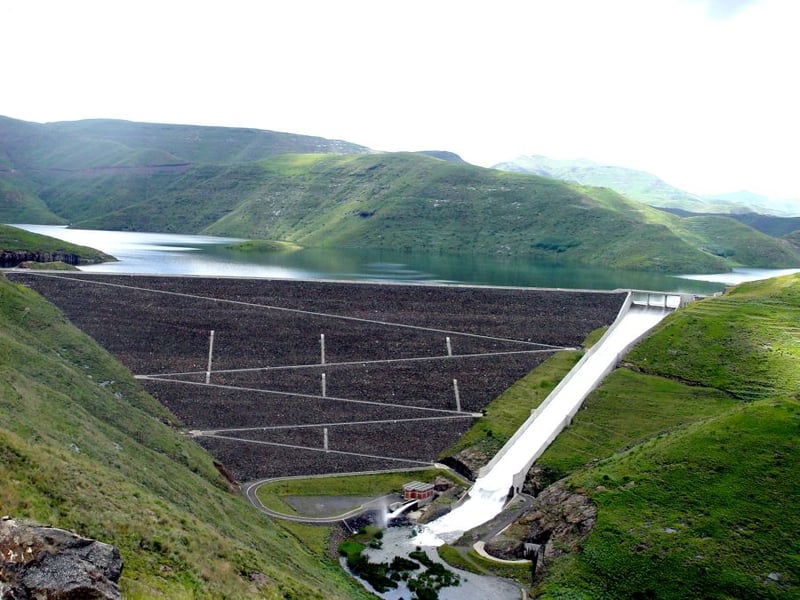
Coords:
pixel 416 490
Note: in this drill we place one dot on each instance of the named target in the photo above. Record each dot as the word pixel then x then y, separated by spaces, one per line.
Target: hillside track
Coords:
pixel 379 388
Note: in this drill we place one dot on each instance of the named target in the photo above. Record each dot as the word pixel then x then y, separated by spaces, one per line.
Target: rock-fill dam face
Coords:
pixel 263 394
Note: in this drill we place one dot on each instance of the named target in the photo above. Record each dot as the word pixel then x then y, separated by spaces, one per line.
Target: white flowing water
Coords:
pixel 489 493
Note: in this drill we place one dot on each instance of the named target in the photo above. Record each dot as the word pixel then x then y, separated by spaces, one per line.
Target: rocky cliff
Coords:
pixel 12 258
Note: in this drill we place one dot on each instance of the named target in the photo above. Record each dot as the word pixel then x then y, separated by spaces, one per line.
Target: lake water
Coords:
pixel 177 254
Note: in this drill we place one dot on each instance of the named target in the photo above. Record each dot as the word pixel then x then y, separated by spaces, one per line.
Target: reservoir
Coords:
pixel 178 254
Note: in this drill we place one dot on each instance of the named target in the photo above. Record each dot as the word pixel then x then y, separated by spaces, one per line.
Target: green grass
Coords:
pixel 469 560
pixel 745 343
pixel 708 512
pixel 736 242
pixel 504 415
pixel 48 266
pixel 626 410
pixel 690 455
pixel 259 246
pixel 459 560
pixel 83 447
pixel 271 494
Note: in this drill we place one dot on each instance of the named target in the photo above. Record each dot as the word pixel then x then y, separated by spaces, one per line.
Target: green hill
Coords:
pixel 689 453
pixel 410 202
pixel 406 201
pixel 36 157
pixel 83 447
pixel 146 177
pixel 29 246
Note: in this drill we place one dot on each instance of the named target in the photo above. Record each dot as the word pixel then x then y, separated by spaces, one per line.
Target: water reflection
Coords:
pixel 179 254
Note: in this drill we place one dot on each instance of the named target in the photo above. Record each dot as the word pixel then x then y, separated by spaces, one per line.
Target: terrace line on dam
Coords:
pixel 504 475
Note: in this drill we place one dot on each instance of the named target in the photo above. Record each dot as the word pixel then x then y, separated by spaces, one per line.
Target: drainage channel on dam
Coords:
pixel 504 475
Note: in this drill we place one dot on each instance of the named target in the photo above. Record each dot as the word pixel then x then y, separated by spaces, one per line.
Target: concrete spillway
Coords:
pixel 506 472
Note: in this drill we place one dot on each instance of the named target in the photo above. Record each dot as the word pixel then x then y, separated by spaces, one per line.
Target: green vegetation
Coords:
pixel 83 447
pixel 469 560
pixel 459 560
pixel 14 239
pixel 257 246
pixel 260 185
pixel 272 493
pixel 385 576
pixel 56 265
pixel 689 453
pixel 627 409
pixel 381 576
pixel 729 238
pixel 707 512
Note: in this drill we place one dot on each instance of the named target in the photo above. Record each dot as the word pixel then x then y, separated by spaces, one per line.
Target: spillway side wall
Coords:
pixel 519 478
pixel 626 305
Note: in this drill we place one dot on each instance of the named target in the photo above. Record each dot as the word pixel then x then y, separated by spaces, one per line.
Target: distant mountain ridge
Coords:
pixel 647 188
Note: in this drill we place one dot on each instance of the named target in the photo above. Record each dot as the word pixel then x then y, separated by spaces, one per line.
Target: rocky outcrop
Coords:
pixel 12 258
pixel 559 519
pixel 467 462
pixel 557 522
pixel 39 562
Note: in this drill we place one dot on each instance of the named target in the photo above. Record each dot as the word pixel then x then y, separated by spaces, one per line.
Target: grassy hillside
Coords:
pixel 200 144
pixel 732 239
pixel 148 177
pixel 708 512
pixel 20 203
pixel 115 160
pixel 81 145
pixel 13 239
pixel 771 225
pixel 689 453
pixel 84 448
pixel 407 201
pixel 410 202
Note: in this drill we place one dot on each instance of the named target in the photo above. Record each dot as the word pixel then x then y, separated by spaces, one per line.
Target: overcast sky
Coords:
pixel 703 93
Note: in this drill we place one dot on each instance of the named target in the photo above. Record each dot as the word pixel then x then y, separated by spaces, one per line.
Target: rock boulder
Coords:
pixel 44 562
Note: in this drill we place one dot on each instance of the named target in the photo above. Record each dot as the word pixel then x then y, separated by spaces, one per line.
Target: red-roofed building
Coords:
pixel 416 490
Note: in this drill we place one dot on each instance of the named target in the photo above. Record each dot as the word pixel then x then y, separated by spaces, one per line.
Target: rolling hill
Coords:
pixel 686 452
pixel 36 156
pixel 260 185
